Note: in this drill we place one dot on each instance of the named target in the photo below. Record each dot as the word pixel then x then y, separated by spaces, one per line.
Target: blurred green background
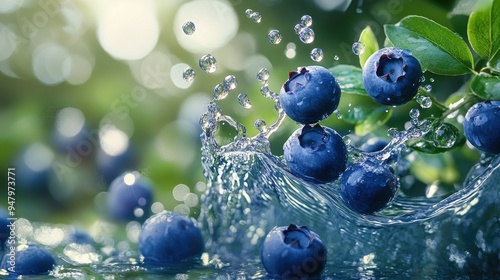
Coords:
pixel 119 65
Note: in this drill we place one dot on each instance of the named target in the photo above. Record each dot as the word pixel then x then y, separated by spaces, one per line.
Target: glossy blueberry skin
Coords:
pixel 367 187
pixel 293 252
pixel 392 76
pixel 316 153
pixel 310 94
pixel 168 237
pixel 482 126
pixel 129 194
pixel 29 260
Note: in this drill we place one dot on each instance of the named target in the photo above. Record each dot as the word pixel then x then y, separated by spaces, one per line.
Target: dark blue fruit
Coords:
pixel 316 152
pixel 169 237
pixel 130 197
pixel 293 252
pixel 392 76
pixel 310 94
pixel 482 126
pixel 29 259
pixel 368 186
pixel 374 144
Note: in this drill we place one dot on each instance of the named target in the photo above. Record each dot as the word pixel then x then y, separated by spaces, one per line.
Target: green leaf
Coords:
pixel 486 87
pixel 369 40
pixel 438 49
pixel 374 120
pixel 483 29
pixel 350 78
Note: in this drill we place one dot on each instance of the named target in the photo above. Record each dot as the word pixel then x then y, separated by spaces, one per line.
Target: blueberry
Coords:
pixel 316 153
pixel 29 260
pixel 130 197
pixel 310 94
pixel 482 126
pixel 368 186
pixel 110 165
pixel 168 237
pixel 34 164
pixel 293 252
pixel 392 76
pixel 374 144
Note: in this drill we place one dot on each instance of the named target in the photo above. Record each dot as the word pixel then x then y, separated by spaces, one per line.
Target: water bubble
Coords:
pixel 220 92
pixel 358 48
pixel 261 125
pixel 317 54
pixel 263 75
pixel 414 113
pixel 230 82
pixel 444 136
pixel 298 27
pixel 208 63
pixel 244 101
pixel 306 20
pixel 424 101
pixel 274 36
pixel 306 35
pixel 256 17
pixel 188 74
pixel 188 28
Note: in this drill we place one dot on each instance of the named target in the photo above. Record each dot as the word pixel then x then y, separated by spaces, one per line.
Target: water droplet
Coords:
pixel 414 113
pixel 424 101
pixel 336 57
pixel 444 136
pixel 392 131
pixel 261 125
pixel 306 20
pixel 248 12
pixel 306 35
pixel 220 92
pixel 188 74
pixel 317 54
pixel 208 63
pixel 230 82
pixel 264 89
pixel 256 17
pixel 298 27
pixel 274 36
pixel 358 48
pixel 428 88
pixel 244 101
pixel 431 80
pixel 263 75
pixel 347 140
pixel 188 28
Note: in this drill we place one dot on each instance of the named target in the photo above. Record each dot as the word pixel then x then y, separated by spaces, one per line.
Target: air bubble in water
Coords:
pixel 306 35
pixel 188 74
pixel 208 63
pixel 244 101
pixel 230 82
pixel 261 125
pixel 358 48
pixel 263 75
pixel 274 37
pixel 316 54
pixel 220 92
pixel 189 28
pixel 306 20
pixel 424 101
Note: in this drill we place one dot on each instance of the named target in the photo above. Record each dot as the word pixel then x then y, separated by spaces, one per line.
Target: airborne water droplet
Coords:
pixel 336 57
pixel 317 54
pixel 274 36
pixel 428 88
pixel 306 20
pixel 230 82
pixel 188 28
pixel 244 101
pixel 256 17
pixel 414 113
pixel 208 63
pixel 306 35
pixel 263 75
pixel 248 12
pixel 298 27
pixel 188 74
pixel 444 136
pixel 261 125
pixel 220 92
pixel 424 101
pixel 358 48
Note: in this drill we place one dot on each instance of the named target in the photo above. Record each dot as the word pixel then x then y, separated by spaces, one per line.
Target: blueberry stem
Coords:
pixel 459 104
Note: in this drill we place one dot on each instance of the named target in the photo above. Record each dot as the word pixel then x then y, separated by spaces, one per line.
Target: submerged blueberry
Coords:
pixel 392 76
pixel 169 237
pixel 293 252
pixel 482 126
pixel 316 152
pixel 367 186
pixel 29 259
pixel 310 94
